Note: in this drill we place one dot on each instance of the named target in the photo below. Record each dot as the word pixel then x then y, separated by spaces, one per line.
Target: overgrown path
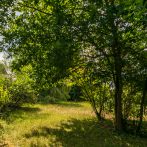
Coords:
pixel 65 124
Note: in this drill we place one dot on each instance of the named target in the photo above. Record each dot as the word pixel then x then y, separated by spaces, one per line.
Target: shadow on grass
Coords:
pixel 84 133
pixel 132 126
pixel 28 109
pixel 19 113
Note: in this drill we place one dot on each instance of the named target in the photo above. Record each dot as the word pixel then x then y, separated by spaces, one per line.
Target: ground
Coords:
pixel 66 124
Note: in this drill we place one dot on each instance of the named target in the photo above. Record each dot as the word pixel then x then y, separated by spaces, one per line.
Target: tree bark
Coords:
pixel 142 107
pixel 118 96
pixel 116 49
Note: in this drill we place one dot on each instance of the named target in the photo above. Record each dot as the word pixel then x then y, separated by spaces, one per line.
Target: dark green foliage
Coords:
pixel 54 94
pixel 75 93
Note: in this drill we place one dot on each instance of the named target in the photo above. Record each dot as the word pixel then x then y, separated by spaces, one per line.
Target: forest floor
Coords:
pixel 66 124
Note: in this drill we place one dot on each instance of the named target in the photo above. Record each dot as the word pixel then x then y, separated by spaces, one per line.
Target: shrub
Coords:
pixel 5 97
pixel 21 93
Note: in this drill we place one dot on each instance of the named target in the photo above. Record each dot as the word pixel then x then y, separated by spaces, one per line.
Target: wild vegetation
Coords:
pixel 65 50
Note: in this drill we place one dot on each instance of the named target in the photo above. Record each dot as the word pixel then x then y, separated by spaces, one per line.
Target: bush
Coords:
pixel 21 93
pixel 21 88
pixel 5 97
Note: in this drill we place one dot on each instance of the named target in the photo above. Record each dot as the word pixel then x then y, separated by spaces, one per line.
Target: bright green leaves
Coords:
pixel 51 35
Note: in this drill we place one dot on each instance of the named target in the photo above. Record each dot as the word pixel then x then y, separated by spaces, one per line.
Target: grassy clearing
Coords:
pixel 61 125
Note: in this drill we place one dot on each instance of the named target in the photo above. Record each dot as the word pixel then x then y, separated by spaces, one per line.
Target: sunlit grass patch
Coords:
pixel 64 124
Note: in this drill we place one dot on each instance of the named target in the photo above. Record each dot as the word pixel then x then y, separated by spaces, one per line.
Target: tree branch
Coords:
pixel 31 7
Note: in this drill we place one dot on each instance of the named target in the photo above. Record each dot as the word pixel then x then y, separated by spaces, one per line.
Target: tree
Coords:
pixel 104 36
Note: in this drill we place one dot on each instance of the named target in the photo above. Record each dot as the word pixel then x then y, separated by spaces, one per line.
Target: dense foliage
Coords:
pixel 18 88
pixel 15 89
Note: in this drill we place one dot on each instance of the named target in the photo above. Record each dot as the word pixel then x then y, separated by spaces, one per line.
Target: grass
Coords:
pixel 65 124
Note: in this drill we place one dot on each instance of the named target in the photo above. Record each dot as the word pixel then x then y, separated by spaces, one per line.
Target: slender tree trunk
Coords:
pixel 98 115
pixel 142 106
pixel 117 79
pixel 93 104
pixel 118 98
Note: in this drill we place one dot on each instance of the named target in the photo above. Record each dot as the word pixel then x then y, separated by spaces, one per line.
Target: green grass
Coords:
pixel 64 124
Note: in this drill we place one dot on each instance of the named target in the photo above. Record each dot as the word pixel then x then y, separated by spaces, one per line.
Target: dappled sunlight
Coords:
pixel 20 113
pixel 65 125
pixel 86 133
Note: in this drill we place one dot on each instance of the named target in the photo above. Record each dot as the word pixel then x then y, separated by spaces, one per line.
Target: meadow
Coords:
pixel 64 124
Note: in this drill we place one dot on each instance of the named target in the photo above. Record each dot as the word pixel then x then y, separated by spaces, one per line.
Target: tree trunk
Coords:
pixel 93 104
pixel 117 77
pixel 142 106
pixel 118 100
